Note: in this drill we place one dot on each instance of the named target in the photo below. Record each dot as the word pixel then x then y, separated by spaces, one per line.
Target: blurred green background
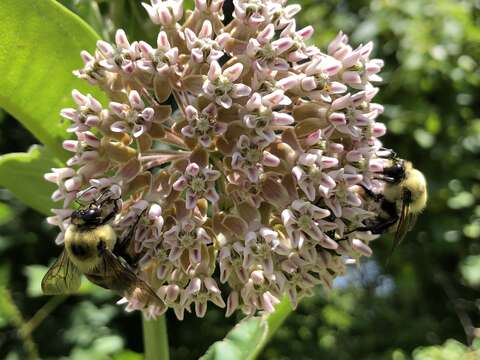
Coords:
pixel 424 305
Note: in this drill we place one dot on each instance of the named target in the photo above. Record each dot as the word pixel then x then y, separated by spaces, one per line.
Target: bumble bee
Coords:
pixel 403 199
pixel 91 248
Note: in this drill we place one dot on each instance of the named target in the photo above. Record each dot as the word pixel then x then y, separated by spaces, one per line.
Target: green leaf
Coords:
pixel 34 275
pixel 88 10
pixel 108 344
pixel 22 174
pixel 5 270
pixel 240 342
pixel 247 339
pixel 470 269
pixel 451 349
pixel 276 319
pixel 128 355
pixel 40 43
pixel 6 213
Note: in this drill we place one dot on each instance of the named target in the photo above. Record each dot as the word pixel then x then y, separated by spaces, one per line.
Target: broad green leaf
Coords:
pixel 276 319
pixel 247 339
pixel 22 174
pixel 240 342
pixel 89 10
pixel 40 43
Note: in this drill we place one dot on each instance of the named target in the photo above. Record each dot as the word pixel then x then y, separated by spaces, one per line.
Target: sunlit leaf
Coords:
pixel 6 213
pixel 40 43
pixel 108 344
pixel 247 339
pixel 451 349
pixel 128 355
pixel 241 342
pixel 470 269
pixel 22 174
pixel 461 200
pixel 34 274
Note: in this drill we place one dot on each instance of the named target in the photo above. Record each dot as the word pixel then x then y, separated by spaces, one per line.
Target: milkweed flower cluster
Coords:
pixel 238 151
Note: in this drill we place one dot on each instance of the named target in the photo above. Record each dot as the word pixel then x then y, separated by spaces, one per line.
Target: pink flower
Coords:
pixel 302 221
pixel 199 291
pixel 205 47
pixel 164 12
pixel 120 57
pixel 162 59
pixel 250 156
pixel 135 118
pixel 203 126
pixel 86 115
pixel 220 87
pixel 262 118
pixel 266 53
pixel 198 183
pixel 186 237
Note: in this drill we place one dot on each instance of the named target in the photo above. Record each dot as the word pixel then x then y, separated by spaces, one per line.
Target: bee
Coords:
pixel 403 199
pixel 91 248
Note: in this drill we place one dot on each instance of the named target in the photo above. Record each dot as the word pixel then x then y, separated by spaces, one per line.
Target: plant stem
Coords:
pixel 14 316
pixel 42 313
pixel 155 339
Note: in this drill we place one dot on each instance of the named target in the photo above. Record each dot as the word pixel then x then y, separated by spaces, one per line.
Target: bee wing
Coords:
pixel 405 222
pixel 63 277
pixel 115 275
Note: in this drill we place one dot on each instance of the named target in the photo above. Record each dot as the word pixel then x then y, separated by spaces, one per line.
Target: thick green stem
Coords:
pixel 155 339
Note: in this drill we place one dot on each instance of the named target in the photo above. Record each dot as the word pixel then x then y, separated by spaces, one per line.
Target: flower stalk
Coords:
pixel 155 338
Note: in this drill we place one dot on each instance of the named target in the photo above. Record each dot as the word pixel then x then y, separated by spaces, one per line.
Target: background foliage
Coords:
pixel 424 305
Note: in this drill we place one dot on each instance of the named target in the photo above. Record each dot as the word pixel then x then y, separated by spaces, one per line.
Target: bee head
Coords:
pixel 90 217
pixel 396 172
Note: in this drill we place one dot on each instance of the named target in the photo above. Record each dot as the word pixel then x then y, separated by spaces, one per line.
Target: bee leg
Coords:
pixel 387 179
pixel 380 226
pixel 113 213
pixel 371 194
pixel 390 208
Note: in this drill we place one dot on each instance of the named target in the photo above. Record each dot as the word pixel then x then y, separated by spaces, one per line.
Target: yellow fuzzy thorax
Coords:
pixel 416 183
pixel 88 241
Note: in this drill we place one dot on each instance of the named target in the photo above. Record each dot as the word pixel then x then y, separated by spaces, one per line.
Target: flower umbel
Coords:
pixel 237 149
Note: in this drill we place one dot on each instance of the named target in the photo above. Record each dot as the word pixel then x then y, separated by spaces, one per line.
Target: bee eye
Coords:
pixel 90 216
pixel 396 171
